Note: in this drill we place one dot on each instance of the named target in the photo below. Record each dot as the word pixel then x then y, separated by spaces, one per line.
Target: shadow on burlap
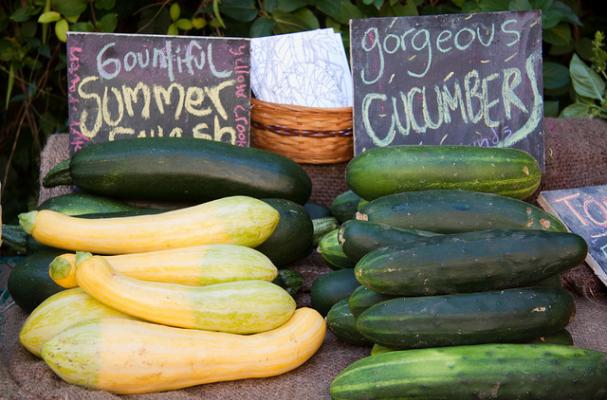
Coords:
pixel 576 154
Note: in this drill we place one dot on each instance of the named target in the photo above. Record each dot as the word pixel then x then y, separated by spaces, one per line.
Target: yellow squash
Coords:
pixel 137 357
pixel 59 312
pixel 197 266
pixel 232 220
pixel 236 307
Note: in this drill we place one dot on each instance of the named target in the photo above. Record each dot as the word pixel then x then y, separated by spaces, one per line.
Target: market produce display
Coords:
pixel 181 170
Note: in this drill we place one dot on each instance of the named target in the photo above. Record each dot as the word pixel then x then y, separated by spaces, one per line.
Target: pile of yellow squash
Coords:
pixel 179 299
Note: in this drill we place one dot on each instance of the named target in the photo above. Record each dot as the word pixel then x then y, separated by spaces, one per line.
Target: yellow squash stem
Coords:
pixel 59 312
pixel 128 357
pixel 236 307
pixel 197 265
pixel 237 220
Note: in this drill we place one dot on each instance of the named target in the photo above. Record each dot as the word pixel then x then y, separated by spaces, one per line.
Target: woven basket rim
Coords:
pixel 262 103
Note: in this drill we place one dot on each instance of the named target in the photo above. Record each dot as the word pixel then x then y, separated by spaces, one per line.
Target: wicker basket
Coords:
pixel 307 135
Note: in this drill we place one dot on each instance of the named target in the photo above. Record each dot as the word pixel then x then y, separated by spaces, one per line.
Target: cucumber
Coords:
pixel 386 170
pixel 562 337
pixel 345 205
pixel 341 322
pixel 29 283
pixel 292 238
pixel 181 169
pixel 332 253
pixel 358 238
pixel 363 298
pixel 470 262
pixel 330 288
pixel 322 226
pixel 505 316
pixel 491 371
pixel 84 203
pixel 316 210
pixel 453 211
pixel 289 280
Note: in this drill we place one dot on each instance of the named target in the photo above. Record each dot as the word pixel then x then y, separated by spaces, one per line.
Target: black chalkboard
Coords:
pixel 466 79
pixel 124 86
pixel 584 211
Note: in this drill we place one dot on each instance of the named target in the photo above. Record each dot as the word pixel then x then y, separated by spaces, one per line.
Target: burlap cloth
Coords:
pixel 576 154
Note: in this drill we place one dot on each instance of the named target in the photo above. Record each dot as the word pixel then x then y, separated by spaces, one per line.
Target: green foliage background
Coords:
pixel 33 65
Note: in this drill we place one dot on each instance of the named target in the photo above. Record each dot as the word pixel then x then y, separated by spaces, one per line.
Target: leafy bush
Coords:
pixel 33 66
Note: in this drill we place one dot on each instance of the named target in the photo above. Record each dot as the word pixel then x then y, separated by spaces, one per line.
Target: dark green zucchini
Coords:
pixel 363 298
pixel 181 169
pixel 342 323
pixel 292 238
pixel 290 280
pixel 84 203
pixel 316 210
pixel 470 262
pixel 490 371
pixel 332 253
pixel 345 205
pixel 506 316
pixel 29 283
pixel 452 211
pixel 358 238
pixel 387 170
pixel 329 288
pixel 322 226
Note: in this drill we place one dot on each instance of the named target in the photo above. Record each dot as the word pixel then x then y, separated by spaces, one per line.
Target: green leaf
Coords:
pixel 61 28
pixel 262 27
pixel 556 50
pixel 494 5
pixel 199 22
pixel 583 48
pixel 23 14
pixel 291 5
pixel 520 5
pixel 331 23
pixel 9 50
pixel 184 24
pixel 586 82
pixel 556 75
pixel 82 27
pixel 300 20
pixel 576 110
pixel 70 8
pixel 240 10
pixel 459 3
pixel 108 22
pixel 340 10
pixel 560 35
pixel 175 11
pixel 409 9
pixel 551 108
pixel 217 22
pixel 105 4
pixel 172 30
pixel 48 17
pixel 554 13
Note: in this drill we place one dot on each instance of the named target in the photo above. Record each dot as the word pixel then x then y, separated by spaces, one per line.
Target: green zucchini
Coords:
pixel 345 205
pixel 316 210
pixel 329 288
pixel 290 280
pixel 551 281
pixel 84 203
pixel 363 297
pixel 332 253
pixel 562 337
pixel 386 170
pixel 470 262
pixel 453 211
pixel 181 169
pixel 322 226
pixel 29 283
pixel 505 316
pixel 342 323
pixel 292 238
pixel 491 371
pixel 358 238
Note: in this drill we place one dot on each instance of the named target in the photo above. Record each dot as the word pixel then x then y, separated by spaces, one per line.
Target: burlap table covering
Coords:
pixel 576 154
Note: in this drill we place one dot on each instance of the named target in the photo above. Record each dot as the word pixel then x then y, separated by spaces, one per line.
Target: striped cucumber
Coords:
pixel 363 297
pixel 342 323
pixel 332 253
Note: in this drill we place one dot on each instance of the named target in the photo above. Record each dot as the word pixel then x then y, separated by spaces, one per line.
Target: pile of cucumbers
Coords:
pixel 456 281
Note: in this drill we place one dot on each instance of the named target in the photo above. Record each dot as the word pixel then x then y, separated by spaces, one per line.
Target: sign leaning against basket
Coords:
pixel 471 79
pixel 122 85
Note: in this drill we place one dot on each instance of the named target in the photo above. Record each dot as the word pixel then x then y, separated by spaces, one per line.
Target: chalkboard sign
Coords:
pixel 467 79
pixel 124 86
pixel 584 211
